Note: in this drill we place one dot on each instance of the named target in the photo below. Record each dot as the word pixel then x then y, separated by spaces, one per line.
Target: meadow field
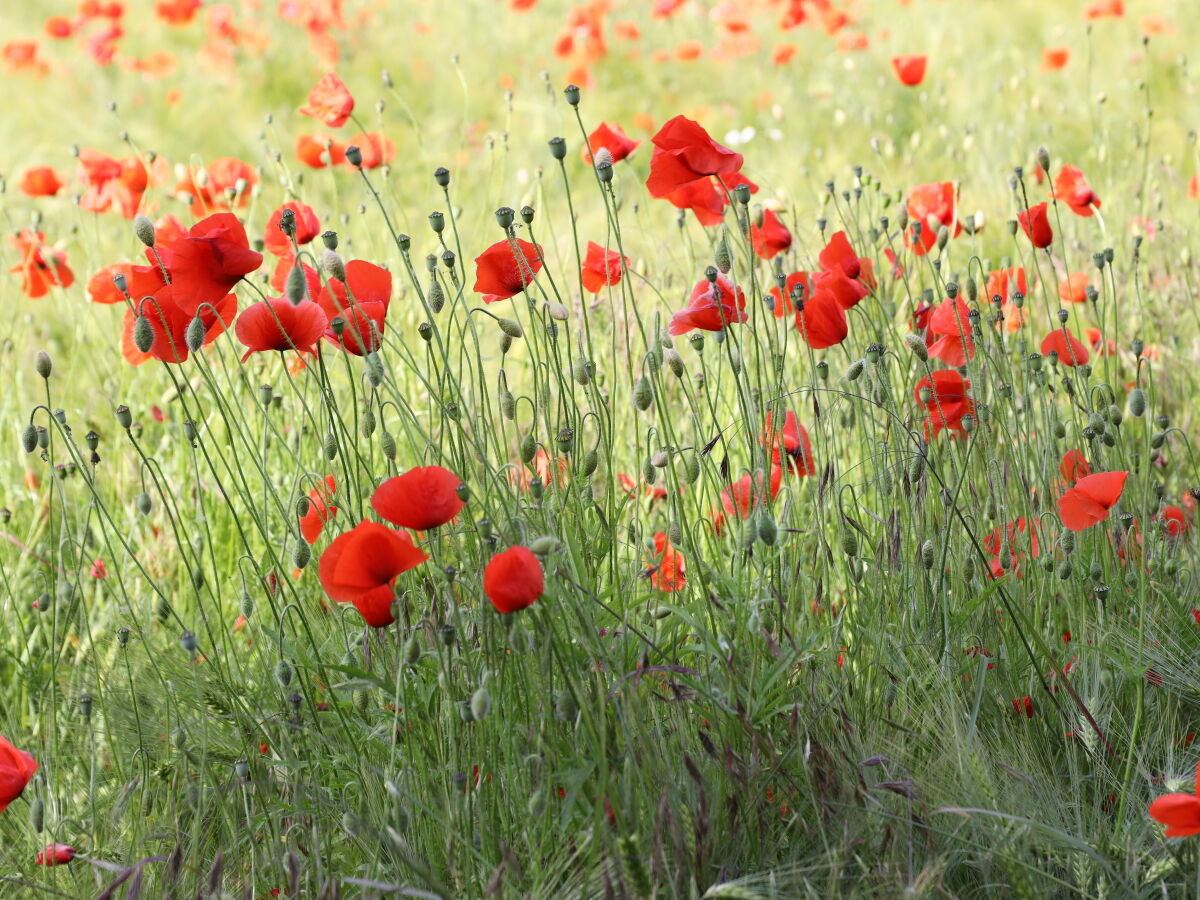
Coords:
pixel 620 449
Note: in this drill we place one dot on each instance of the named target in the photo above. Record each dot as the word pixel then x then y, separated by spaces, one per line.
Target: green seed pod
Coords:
pixel 768 531
pixel 564 706
pixel 1137 402
pixel 591 460
pixel 29 438
pixel 481 704
pixel 37 814
pixel 928 552
pixel 301 554
pixel 330 446
pixel 1157 439
pixel 528 448
pixel 1060 430
pixel 124 417
pixel 508 405
pixel 643 393
pixel 412 651
pixel 855 370
pixel 283 673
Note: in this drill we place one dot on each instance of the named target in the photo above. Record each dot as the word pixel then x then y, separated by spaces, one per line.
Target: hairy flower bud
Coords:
pixel 144 229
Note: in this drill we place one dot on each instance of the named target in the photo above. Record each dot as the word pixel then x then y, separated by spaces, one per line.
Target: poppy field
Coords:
pixel 609 449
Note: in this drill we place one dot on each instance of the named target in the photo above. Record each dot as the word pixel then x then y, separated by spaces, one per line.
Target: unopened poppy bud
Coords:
pixel 508 405
pixel 511 327
pixel 749 533
pixel 301 554
pixel 571 92
pixel 42 364
pixel 412 651
pixel 1137 402
pixel 565 706
pixel 505 217
pixel 558 148
pixel 481 704
pixel 916 344
pixel 558 312
pixel 643 393
pixel 1064 569
pixel 367 422
pixel 927 554
pixel 37 814
pixel 144 229
pixel 29 438
pixel 194 335
pixel 528 448
pixel 768 531
pixel 915 468
pixel 330 445
pixel 333 265
pixel 144 503
pixel 241 769
pixel 1012 227
pixel 188 642
pixel 591 460
pixel 354 156
pixel 295 288
pixel 1043 159
pixel 505 343
pixel 283 671
pixel 580 372
pixel 1157 439
pixel 435 295
pixel 691 467
pixel 536 487
pixel 855 370
pixel 674 362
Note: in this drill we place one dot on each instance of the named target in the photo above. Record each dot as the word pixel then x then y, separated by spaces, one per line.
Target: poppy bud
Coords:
pixel 691 467
pixel 194 335
pixel 301 554
pixel 29 438
pixel 330 445
pixel 435 295
pixel 571 92
pixel 295 288
pixel 558 312
pixel 1043 159
pixel 333 265
pixel 558 148
pixel 643 393
pixel 1137 402
pixel 144 503
pixel 123 635
pixel 144 229
pixel 591 460
pixel 354 156
pixel 528 448
pixel 855 370
pixel 37 814
pixel 579 370
pixel 412 651
pixel 511 327
pixel 188 642
pixel 283 671
pixel 565 706
pixel 481 704
pixel 508 405
pixel 927 554
pixel 5 515
pixel 749 533
pixel 674 362
pixel 768 531
pixel 649 472
pixel 916 344
pixel 505 343
pixel 367 423
pixel 915 468
pixel 189 431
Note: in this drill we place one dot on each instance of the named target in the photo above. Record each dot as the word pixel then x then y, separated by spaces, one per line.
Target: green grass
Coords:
pixel 800 720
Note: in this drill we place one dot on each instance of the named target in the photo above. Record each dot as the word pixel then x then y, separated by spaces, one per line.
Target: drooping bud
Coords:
pixel 295 287
pixel 643 394
pixel 194 335
pixel 511 327
pixel 916 344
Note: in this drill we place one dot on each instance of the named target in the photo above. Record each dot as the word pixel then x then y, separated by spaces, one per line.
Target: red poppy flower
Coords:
pixel 1036 225
pixel 55 854
pixel 1073 289
pixel 211 187
pixel 1069 350
pixel 771 237
pixel 361 302
pixel 783 299
pixel 712 306
pixel 278 324
pixel 168 231
pixel 1179 812
pixel 933 206
pixel 420 499
pixel 683 152
pixel 42 266
pixel 306 223
pixel 910 68
pixel 1105 9
pixel 40 181
pixel 667 566
pixel 16 769
pixel 373 147
pixel 329 101
pixel 746 494
pixel 1173 519
pixel 838 254
pixel 361 565
pixel 949 337
pixel 793 441
pixel 601 268
pixel 1003 282
pixel 500 274
pixel 176 12
pixel 1090 500
pixel 1013 532
pixel 847 291
pixel 1023 705
pixel 948 400
pixel 111 182
pixel 611 138
pixel 207 263
pixel 513 580
pixel 1072 188
pixel 1054 58
pixel 169 323
pixel 703 198
pixel 821 318
pixel 319 150
pixel 58 27
pixel 320 510
pixel 1074 466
